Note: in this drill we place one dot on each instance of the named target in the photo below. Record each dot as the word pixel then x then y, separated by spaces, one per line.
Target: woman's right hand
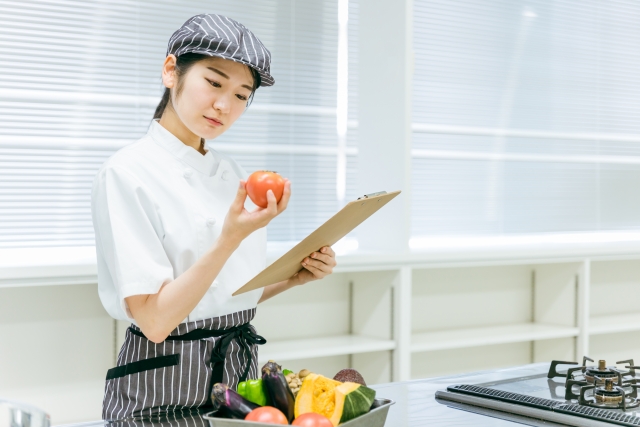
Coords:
pixel 240 223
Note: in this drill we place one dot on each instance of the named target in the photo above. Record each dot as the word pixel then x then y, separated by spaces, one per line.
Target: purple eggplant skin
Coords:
pixel 277 389
pixel 234 405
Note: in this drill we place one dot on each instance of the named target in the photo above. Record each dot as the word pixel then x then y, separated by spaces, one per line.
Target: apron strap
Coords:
pixel 196 334
pixel 242 333
pixel 246 337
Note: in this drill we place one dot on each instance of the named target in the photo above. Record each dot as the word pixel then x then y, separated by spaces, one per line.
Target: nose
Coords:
pixel 221 103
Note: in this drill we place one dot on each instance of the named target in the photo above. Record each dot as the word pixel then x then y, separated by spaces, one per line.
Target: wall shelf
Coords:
pixel 615 323
pixel 476 337
pixel 322 347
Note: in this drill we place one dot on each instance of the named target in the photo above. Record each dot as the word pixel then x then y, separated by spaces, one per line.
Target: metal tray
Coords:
pixel 376 417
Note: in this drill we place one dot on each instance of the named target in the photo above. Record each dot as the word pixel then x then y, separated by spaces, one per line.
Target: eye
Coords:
pixel 241 97
pixel 214 84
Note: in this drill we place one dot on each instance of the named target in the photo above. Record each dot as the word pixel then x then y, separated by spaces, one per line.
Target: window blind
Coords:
pixel 81 79
pixel 525 117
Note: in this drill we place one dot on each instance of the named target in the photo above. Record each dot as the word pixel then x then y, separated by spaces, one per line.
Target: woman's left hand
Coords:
pixel 316 266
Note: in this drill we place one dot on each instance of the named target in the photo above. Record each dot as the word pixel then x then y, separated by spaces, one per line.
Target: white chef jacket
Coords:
pixel 157 206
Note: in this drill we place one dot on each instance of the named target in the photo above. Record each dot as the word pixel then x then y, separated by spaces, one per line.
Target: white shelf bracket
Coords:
pixel 402 325
pixel 582 302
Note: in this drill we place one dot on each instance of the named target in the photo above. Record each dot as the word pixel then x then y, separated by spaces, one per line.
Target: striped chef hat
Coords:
pixel 217 35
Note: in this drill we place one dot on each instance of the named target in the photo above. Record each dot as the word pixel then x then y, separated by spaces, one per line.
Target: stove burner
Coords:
pixel 599 386
pixel 601 372
pixel 609 394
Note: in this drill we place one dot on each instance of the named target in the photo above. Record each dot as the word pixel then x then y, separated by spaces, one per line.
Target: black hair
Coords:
pixel 183 64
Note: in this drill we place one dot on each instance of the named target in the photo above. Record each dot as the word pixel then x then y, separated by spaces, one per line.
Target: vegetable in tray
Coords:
pixel 302 399
pixel 253 391
pixel 234 405
pixel 278 391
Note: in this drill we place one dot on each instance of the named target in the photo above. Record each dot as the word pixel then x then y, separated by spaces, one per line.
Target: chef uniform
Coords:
pixel 158 206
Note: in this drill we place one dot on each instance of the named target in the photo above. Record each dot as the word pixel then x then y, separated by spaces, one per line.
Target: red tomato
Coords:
pixel 259 182
pixel 311 419
pixel 267 415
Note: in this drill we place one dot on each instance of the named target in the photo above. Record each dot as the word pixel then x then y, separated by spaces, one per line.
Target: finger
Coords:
pixel 286 195
pixel 318 265
pixel 328 250
pixel 266 214
pixel 314 270
pixel 272 204
pixel 323 258
pixel 241 196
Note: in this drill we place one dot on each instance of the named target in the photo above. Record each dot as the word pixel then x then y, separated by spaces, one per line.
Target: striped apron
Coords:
pixel 179 372
pixel 186 418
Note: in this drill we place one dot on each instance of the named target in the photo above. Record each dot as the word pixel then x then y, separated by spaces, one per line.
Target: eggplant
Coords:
pixel 230 402
pixel 278 392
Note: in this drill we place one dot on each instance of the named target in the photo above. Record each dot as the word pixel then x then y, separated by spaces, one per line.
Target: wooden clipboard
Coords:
pixel 334 229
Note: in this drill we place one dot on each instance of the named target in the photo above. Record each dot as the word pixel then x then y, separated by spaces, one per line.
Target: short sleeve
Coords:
pixel 128 230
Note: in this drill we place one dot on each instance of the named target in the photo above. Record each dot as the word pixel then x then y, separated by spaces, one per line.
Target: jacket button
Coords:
pixel 188 173
pixel 211 222
pixel 225 175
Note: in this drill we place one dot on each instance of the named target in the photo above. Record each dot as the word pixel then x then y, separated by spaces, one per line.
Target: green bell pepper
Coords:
pixel 252 391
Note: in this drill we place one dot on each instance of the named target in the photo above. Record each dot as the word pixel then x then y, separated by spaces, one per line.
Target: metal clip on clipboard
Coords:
pixel 366 196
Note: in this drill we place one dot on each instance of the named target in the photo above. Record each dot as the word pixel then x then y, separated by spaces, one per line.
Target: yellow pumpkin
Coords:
pixel 337 401
pixel 317 394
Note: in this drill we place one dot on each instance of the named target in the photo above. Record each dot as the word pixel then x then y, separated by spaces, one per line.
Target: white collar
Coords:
pixel 202 163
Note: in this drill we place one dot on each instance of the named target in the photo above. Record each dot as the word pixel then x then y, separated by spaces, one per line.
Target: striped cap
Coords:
pixel 217 35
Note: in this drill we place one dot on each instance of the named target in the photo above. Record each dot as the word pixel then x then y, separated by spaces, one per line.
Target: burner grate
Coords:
pixel 599 414
pixel 505 396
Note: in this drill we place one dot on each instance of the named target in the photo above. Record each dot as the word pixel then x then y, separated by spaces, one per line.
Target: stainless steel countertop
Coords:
pixel 415 403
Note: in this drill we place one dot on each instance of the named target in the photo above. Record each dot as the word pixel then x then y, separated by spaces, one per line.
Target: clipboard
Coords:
pixel 335 228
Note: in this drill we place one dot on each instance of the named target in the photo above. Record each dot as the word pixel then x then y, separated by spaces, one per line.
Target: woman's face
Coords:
pixel 214 94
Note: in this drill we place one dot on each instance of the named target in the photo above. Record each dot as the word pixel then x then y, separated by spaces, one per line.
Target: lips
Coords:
pixel 214 122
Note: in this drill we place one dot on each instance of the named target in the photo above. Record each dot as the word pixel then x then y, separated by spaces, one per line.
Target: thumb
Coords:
pixel 241 196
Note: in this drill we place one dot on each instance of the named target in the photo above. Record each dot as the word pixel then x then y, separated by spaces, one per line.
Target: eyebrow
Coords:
pixel 215 70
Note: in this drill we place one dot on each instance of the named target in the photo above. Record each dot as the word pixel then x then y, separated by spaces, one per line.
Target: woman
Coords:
pixel 176 235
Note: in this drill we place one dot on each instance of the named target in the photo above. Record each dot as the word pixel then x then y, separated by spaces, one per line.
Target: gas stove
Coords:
pixel 599 386
pixel 584 395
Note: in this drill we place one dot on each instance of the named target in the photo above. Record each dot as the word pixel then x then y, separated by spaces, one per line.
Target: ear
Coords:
pixel 169 71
